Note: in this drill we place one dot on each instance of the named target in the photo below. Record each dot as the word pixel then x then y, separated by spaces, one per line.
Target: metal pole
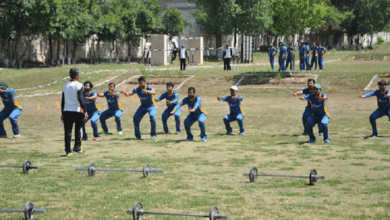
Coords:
pixel 277 175
pixel 21 210
pixel 122 170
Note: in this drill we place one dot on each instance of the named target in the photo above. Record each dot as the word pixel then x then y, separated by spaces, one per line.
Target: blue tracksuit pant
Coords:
pixel 321 63
pixel 313 61
pixel 94 117
pixel 322 124
pixel 234 117
pixel 375 115
pixel 166 114
pixel 108 114
pixel 191 119
pixel 302 63
pixel 139 114
pixel 307 62
pixel 13 115
pixel 272 61
pixel 289 61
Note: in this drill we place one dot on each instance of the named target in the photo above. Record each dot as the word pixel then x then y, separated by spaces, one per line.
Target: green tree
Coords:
pixel 173 22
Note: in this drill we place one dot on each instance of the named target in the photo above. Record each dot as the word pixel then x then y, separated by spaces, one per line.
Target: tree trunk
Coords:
pixel 58 49
pixel 98 53
pixel 64 53
pixel 67 53
pixel 112 50
pixel 74 51
pixel 129 52
pixel 50 50
pixel 235 37
pixel 116 51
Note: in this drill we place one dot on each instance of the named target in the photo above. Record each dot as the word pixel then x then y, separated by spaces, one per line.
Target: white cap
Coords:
pixel 234 88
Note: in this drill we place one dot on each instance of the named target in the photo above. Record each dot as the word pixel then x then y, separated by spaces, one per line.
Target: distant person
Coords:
pixel 183 58
pixel 382 95
pixel 12 110
pixel 314 57
pixel 72 109
pixel 290 56
pixel 282 57
pixel 272 51
pixel 302 52
pixel 172 98
pixel 227 57
pixel 197 113
pixel 321 51
pixel 307 56
pixel 92 109
pixel 114 108
pixel 174 47
pixel 147 53
pixel 236 113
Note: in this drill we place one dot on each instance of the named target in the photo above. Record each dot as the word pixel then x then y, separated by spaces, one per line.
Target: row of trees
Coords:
pixel 289 17
pixel 73 22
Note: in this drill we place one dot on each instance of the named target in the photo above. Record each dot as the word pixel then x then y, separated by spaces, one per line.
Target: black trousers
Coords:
pixel 183 64
pixel 71 118
pixel 226 64
pixel 174 52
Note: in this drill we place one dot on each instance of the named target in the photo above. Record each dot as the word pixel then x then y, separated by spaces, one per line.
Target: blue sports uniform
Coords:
pixel 302 52
pixel 383 108
pixel 12 110
pixel 272 53
pixel 290 56
pixel 199 115
pixel 174 98
pixel 282 58
pixel 314 57
pixel 92 109
pixel 321 54
pixel 114 109
pixel 307 57
pixel 319 115
pixel 147 106
pixel 307 112
pixel 235 113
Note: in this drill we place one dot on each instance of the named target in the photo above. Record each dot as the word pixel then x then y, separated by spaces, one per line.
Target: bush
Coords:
pixel 380 40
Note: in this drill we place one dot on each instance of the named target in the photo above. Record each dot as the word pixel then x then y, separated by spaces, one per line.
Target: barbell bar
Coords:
pixel 27 166
pixel 138 211
pixel 28 210
pixel 146 170
pixel 313 177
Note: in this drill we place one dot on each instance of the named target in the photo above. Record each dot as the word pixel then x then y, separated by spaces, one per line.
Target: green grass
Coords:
pixel 198 174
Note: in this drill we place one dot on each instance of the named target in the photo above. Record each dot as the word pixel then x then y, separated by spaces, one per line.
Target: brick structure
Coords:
pixel 159 42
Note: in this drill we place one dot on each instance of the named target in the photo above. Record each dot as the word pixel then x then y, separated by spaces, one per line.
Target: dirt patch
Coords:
pixel 374 84
pixel 276 81
pixel 157 82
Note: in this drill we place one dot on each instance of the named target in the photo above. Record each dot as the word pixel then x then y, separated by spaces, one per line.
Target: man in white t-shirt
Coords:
pixel 72 109
pixel 174 48
pixel 227 56
pixel 183 57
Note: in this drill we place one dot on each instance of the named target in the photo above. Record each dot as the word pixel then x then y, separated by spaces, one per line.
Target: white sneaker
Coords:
pixel 17 136
pixel 153 137
pixel 120 132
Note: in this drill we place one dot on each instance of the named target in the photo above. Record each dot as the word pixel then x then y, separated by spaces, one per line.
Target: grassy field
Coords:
pixel 198 174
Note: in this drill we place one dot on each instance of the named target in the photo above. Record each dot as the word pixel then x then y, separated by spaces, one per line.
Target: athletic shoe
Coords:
pixel 189 139
pixel 80 151
pixel 138 138
pixel 3 136
pixel 305 133
pixel 228 133
pixel 153 137
pixel 241 133
pixel 165 132
pixel 311 141
pixel 17 136
pixel 204 139
pixel 69 154
pixel 327 141
pixel 97 139
pixel 85 139
pixel 178 132
pixel 321 134
pixel 120 132
pixel 373 135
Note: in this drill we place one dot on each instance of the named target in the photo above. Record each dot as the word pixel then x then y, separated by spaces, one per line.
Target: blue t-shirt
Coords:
pixel 383 103
pixel 318 109
pixel 272 51
pixel 146 99
pixel 174 98
pixel 321 52
pixel 195 103
pixel 314 50
pixel 282 54
pixel 307 91
pixel 113 102
pixel 290 51
pixel 302 51
pixel 91 105
pixel 307 51
pixel 9 99
pixel 234 105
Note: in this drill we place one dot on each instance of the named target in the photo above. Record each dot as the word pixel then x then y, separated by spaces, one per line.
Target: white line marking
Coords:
pixel 369 84
pixel 184 82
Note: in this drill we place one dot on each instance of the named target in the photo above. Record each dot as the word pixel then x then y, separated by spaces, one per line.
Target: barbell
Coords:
pixel 146 170
pixel 27 166
pixel 28 210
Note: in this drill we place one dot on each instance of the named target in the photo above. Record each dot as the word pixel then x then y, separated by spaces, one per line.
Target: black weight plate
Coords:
pixel 26 166
pixel 213 211
pixel 92 169
pixel 146 171
pixel 312 177
pixel 28 210
pixel 253 174
pixel 136 209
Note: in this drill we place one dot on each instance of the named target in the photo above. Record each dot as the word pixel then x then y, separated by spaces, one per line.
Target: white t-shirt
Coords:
pixel 182 53
pixel 70 90
pixel 227 55
pixel 174 43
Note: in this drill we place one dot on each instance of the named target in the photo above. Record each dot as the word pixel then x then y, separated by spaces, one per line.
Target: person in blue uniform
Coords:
pixel 302 52
pixel 12 110
pixel 197 113
pixel 92 109
pixel 236 114
pixel 314 56
pixel 145 93
pixel 382 95
pixel 114 108
pixel 290 56
pixel 272 51
pixel 319 113
pixel 307 56
pixel 321 54
pixel 282 57
pixel 306 114
pixel 172 98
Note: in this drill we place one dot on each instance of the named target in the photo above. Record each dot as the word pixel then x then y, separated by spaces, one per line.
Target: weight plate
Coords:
pixel 26 166
pixel 253 174
pixel 313 179
pixel 213 212
pixel 92 169
pixel 146 170
pixel 136 211
pixel 28 210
